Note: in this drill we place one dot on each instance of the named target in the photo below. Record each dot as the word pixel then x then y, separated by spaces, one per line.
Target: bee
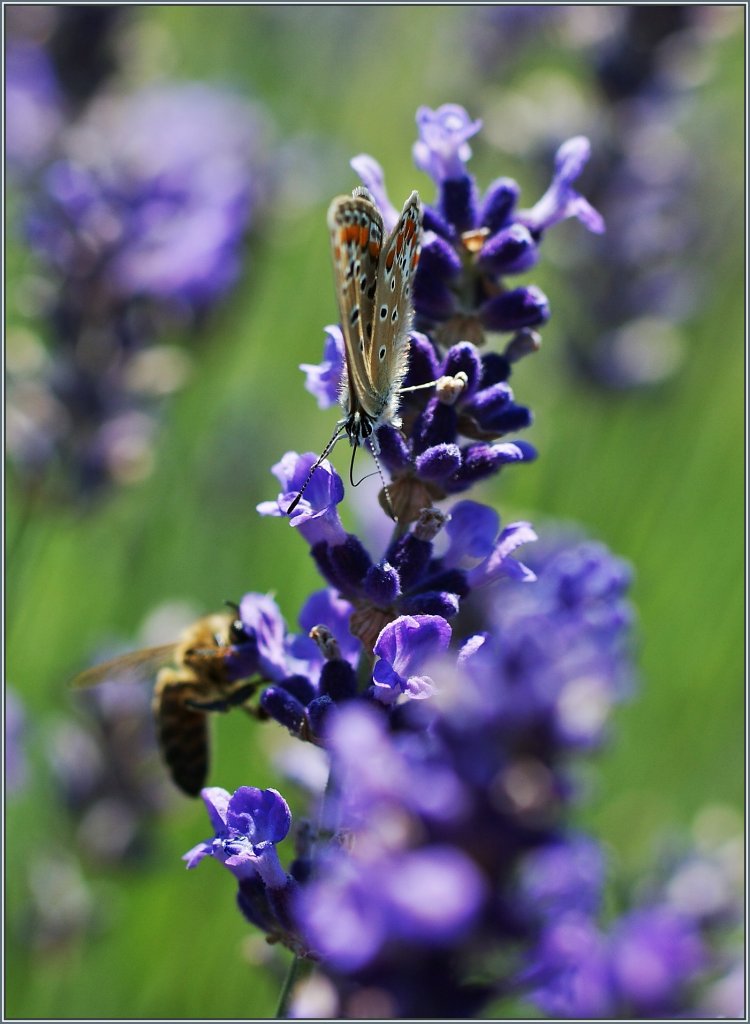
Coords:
pixel 193 677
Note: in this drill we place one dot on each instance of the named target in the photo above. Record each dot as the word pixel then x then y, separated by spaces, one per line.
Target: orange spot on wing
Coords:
pixel 414 259
pixel 399 242
pixel 374 250
pixel 410 229
pixel 364 234
pixel 389 259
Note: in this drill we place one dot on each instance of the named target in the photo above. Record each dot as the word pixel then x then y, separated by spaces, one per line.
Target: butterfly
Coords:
pixel 374 284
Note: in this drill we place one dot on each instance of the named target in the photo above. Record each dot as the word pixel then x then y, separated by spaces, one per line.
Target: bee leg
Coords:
pixel 182 731
pixel 233 699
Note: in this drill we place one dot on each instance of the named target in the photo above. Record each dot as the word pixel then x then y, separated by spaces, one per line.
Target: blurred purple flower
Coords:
pixel 156 191
pixel 16 770
pixel 33 106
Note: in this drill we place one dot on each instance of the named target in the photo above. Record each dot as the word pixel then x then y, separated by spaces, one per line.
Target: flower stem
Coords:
pixel 286 988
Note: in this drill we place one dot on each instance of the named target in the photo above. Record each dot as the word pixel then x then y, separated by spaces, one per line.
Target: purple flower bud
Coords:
pixel 510 251
pixel 433 221
pixel 458 202
pixel 435 426
pixel 283 707
pixel 482 460
pixel 394 451
pixel 464 357
pixel 410 555
pixel 499 203
pixel 382 585
pixel 338 680
pixel 521 307
pixel 495 412
pixel 299 687
pixel 350 562
pixel 438 462
pixel 443 604
pixel 439 259
pixel 433 298
pixel 319 713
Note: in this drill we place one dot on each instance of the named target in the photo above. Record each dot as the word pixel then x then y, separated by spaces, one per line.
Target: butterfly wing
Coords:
pixel 356 229
pixel 393 310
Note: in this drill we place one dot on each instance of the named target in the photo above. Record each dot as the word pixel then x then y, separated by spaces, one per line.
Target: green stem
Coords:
pixel 286 988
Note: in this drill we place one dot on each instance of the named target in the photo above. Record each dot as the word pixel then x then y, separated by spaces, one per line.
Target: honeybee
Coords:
pixel 193 678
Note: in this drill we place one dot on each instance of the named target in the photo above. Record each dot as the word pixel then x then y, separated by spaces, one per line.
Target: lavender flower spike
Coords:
pixel 561 201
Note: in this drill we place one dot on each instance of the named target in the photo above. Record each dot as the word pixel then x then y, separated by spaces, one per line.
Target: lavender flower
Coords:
pixel 248 825
pixel 644 284
pixel 452 686
pixel 407 579
pixel 402 649
pixel 469 247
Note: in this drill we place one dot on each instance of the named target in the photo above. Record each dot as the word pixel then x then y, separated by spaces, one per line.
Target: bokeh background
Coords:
pixel 131 507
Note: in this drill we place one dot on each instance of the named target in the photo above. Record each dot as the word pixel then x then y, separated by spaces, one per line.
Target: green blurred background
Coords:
pixel 657 474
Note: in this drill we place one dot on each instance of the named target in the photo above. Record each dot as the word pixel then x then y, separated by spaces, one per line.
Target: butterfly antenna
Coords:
pixel 337 435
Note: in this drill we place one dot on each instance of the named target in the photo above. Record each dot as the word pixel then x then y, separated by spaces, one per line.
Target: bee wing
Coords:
pixel 393 308
pixel 135 666
pixel 356 229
